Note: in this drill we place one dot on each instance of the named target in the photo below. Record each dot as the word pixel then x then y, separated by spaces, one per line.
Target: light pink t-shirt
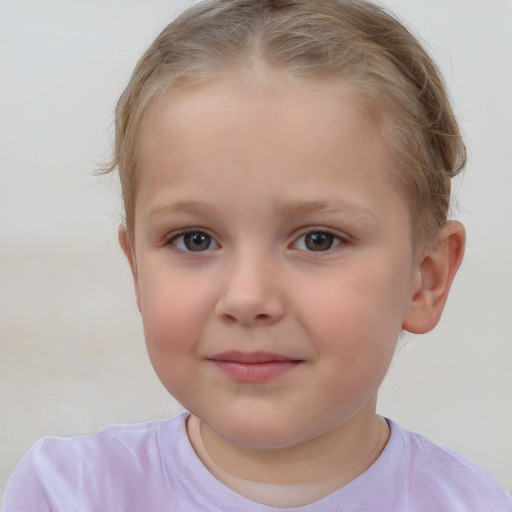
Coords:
pixel 151 467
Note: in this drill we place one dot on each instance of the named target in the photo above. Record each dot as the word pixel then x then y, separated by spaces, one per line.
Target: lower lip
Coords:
pixel 256 372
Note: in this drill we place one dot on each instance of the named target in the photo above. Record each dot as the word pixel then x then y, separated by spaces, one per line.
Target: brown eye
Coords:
pixel 195 241
pixel 319 241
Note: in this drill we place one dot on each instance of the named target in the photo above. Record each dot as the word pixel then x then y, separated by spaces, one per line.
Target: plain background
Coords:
pixel 72 356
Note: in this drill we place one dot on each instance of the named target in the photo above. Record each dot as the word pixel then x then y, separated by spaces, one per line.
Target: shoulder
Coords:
pixel 61 473
pixel 444 479
pixel 112 446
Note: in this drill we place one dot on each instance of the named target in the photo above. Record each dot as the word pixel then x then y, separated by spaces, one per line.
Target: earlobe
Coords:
pixel 436 270
pixel 126 246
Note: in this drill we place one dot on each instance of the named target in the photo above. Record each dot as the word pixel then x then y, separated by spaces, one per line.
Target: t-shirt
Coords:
pixel 152 467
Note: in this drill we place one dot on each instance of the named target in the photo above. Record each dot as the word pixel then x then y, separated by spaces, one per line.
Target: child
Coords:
pixel 286 169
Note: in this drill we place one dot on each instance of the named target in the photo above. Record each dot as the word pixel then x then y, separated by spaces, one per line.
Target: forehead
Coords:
pixel 285 107
pixel 299 140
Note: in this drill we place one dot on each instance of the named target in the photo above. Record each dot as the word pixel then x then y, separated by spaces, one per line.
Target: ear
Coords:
pixel 436 268
pixel 126 246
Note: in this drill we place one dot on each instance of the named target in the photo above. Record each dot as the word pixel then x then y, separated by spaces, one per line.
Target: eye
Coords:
pixel 317 241
pixel 194 241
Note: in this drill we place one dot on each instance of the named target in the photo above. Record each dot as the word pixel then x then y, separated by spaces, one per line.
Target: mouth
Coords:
pixel 254 366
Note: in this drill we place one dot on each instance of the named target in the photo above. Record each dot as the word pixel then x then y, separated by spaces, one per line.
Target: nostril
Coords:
pixel 262 316
pixel 229 318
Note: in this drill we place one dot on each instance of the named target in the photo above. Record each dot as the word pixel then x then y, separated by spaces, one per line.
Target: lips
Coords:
pixel 254 366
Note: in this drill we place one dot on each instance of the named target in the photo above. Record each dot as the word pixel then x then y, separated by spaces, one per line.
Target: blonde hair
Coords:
pixel 354 41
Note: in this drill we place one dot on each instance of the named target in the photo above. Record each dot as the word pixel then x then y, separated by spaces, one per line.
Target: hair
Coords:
pixel 353 41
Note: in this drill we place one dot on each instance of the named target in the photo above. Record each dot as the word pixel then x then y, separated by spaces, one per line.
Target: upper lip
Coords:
pixel 236 356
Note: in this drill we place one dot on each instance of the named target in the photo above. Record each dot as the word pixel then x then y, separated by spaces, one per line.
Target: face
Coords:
pixel 272 258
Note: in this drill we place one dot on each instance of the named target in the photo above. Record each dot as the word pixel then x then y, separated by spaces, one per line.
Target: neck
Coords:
pixel 340 455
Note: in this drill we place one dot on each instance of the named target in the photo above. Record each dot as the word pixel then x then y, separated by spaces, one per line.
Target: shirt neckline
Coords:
pixel 182 464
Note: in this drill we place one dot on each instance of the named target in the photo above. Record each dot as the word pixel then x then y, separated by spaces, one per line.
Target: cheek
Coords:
pixel 357 315
pixel 353 330
pixel 174 312
pixel 171 331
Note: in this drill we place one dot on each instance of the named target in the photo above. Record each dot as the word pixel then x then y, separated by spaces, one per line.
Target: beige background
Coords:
pixel 72 358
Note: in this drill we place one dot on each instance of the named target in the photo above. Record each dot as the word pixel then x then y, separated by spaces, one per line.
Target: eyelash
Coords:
pixel 179 240
pixel 181 237
pixel 335 240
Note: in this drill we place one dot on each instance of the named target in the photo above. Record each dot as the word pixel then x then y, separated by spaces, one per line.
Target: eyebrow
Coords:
pixel 185 207
pixel 284 207
pixel 327 206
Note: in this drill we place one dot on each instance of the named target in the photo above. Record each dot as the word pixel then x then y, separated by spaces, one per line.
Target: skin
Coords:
pixel 257 162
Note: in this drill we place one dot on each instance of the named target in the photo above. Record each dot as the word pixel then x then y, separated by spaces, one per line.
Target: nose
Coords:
pixel 251 293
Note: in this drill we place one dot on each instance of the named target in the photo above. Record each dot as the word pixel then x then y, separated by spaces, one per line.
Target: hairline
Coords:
pixel 364 104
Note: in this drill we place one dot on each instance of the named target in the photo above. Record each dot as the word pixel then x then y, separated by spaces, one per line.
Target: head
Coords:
pixel 286 174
